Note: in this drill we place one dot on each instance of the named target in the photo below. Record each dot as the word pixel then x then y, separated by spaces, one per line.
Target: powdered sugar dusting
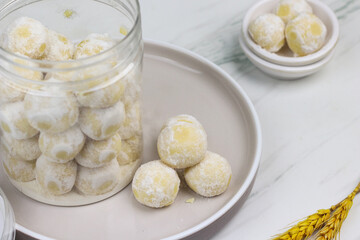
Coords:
pixel 210 177
pixel 62 147
pixel 51 114
pixel 102 123
pixel 182 143
pixel 268 31
pixel 14 121
pixel 26 36
pixel 155 184
pixel 96 181
pixel 55 178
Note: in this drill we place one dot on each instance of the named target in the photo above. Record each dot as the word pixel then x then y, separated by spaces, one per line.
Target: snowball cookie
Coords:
pixel 132 123
pixel 60 48
pixel 26 36
pixel 9 92
pixel 289 9
pixel 55 178
pixel 93 44
pixel 182 144
pixel 210 177
pixel 103 97
pixel 13 121
pixel 25 149
pixel 102 123
pixel 131 150
pixel 97 153
pixel 97 181
pixel 268 32
pixel 51 114
pixel 22 171
pixel 305 34
pixel 155 184
pixel 62 147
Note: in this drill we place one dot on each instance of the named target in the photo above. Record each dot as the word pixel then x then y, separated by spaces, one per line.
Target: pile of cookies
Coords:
pixel 292 22
pixel 67 140
pixel 182 144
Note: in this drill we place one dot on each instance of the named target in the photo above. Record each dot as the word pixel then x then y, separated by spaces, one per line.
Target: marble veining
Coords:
pixel 311 127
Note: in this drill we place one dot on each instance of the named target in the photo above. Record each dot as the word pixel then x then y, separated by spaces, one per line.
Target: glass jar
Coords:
pixel 70 95
pixel 7 221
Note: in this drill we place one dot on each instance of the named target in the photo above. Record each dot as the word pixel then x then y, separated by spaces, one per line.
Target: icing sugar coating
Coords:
pixel 60 48
pixel 13 121
pixel 103 97
pixel 55 178
pixel 102 123
pixel 182 142
pixel 131 126
pixel 25 149
pixel 97 181
pixel 93 44
pixel 22 171
pixel 289 9
pixel 305 34
pixel 51 114
pixel 9 92
pixel 155 184
pixel 268 32
pixel 210 177
pixel 131 150
pixel 62 147
pixel 97 153
pixel 27 36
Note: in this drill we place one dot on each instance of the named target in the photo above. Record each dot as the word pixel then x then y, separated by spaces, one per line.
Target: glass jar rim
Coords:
pixel 85 62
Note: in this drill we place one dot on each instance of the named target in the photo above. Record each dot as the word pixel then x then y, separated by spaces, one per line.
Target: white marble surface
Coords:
pixel 311 127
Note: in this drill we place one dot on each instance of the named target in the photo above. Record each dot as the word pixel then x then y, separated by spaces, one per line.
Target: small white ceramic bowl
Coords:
pixel 284 72
pixel 285 56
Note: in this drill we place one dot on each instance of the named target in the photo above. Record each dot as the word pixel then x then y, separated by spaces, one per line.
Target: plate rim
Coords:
pixel 258 148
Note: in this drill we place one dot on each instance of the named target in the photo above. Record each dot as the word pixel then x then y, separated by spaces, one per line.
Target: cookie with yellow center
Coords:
pixel 102 96
pixel 305 34
pixel 51 114
pixel 62 147
pixel 13 121
pixel 17 169
pixel 182 143
pixel 131 125
pixel 211 177
pixel 155 184
pixel 9 92
pixel 24 149
pixel 289 9
pixel 97 181
pixel 97 153
pixel 268 32
pixel 131 150
pixel 60 48
pixel 93 44
pixel 55 178
pixel 102 123
pixel 27 36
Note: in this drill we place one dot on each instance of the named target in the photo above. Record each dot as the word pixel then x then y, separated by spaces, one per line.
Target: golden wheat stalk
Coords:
pixel 326 223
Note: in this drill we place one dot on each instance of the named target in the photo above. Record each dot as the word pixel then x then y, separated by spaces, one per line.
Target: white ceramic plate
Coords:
pixel 175 81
